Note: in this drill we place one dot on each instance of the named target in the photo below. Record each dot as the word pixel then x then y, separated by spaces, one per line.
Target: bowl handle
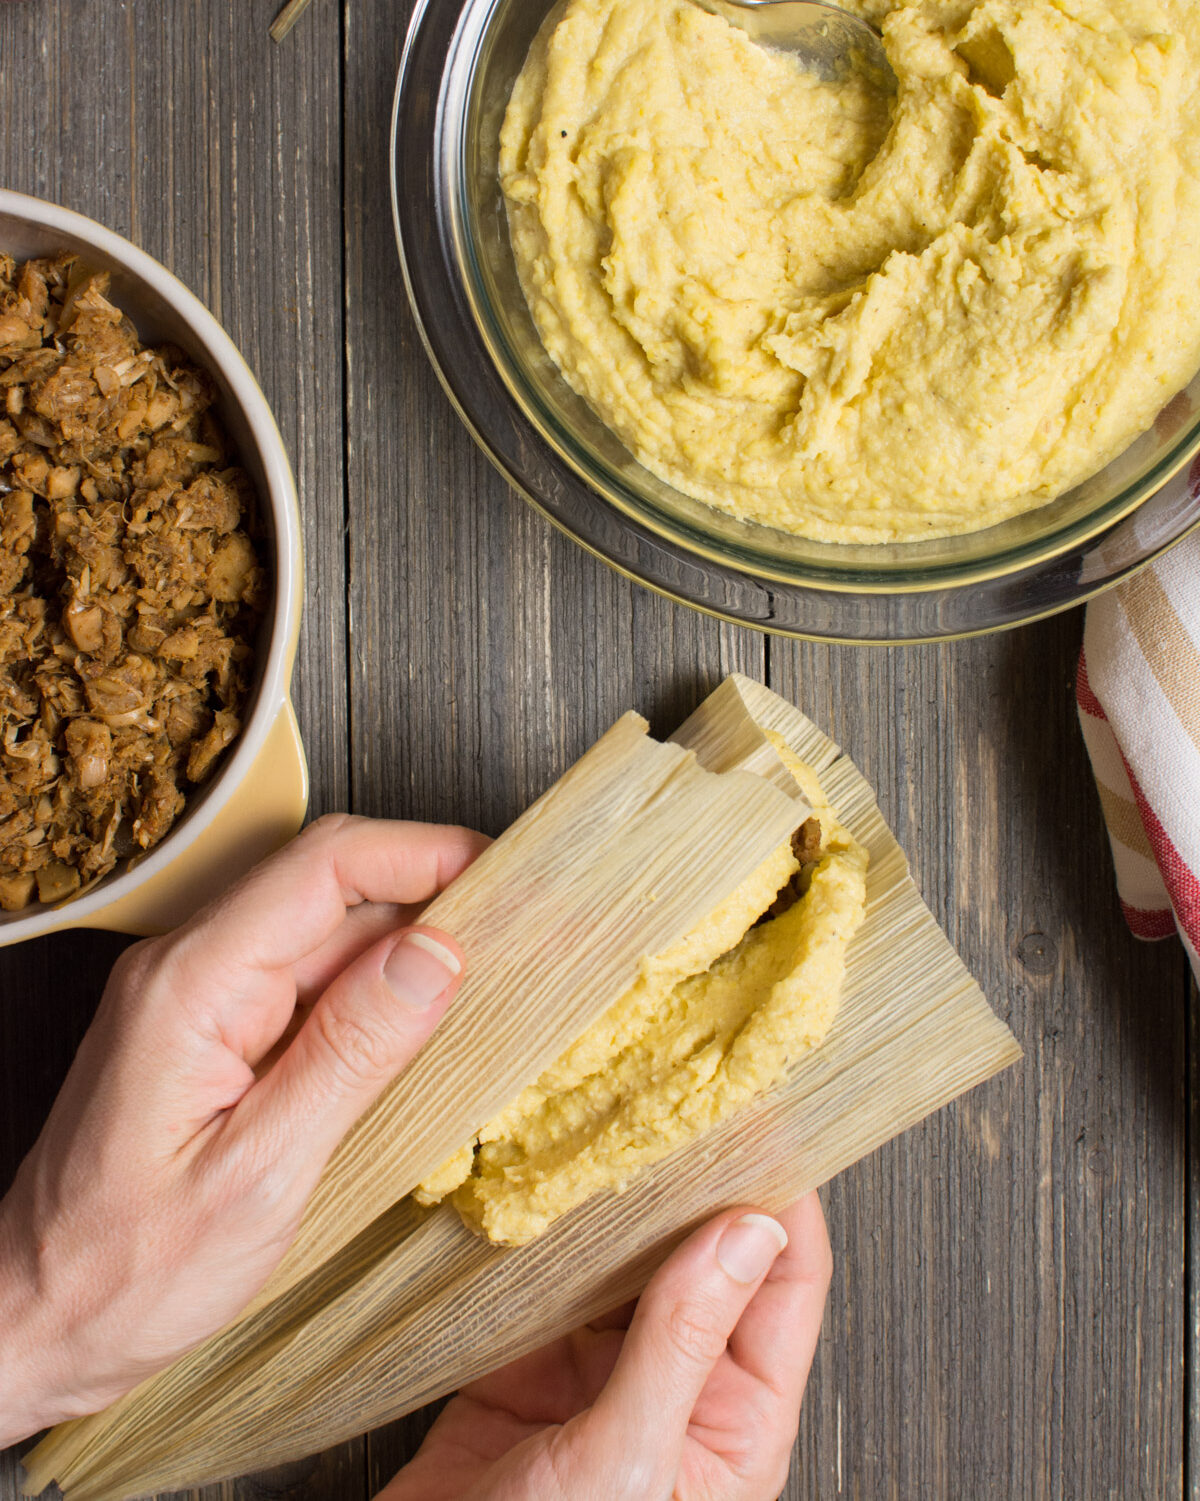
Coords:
pixel 263 813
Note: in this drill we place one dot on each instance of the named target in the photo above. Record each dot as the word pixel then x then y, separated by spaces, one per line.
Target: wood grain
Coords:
pixel 487 651
pixel 1014 1311
pixel 1007 1317
pixel 185 128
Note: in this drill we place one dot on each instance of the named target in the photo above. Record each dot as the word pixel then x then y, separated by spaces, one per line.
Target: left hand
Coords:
pixel 696 1397
pixel 174 1168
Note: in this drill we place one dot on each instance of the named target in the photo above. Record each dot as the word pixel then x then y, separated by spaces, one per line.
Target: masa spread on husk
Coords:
pixel 706 1028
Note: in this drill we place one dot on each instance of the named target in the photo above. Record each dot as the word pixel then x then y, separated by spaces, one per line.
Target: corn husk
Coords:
pixel 382 1306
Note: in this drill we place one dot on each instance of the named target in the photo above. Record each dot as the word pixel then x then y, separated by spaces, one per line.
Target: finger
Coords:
pixel 369 1023
pixel 777 1335
pixel 679 1332
pixel 363 925
pixel 232 974
pixel 292 902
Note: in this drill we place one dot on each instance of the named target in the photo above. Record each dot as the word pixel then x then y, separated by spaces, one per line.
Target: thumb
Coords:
pixel 369 1023
pixel 679 1332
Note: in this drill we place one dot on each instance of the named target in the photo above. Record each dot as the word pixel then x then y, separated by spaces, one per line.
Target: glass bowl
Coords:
pixel 459 63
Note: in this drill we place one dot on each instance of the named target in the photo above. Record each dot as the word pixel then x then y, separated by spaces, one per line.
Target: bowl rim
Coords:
pixel 430 240
pixel 218 352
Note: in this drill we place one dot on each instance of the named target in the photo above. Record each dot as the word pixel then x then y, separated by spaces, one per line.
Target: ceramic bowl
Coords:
pixel 257 796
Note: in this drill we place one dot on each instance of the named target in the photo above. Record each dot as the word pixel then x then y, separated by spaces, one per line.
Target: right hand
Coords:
pixel 697 1397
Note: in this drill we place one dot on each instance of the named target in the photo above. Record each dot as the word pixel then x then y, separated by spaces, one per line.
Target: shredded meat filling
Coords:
pixel 131 587
pixel 806 846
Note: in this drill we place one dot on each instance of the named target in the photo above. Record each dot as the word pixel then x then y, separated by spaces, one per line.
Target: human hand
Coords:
pixel 697 1398
pixel 175 1165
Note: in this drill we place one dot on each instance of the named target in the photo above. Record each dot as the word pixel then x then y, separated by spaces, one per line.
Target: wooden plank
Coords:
pixel 487 651
pixel 187 129
pixel 1007 1311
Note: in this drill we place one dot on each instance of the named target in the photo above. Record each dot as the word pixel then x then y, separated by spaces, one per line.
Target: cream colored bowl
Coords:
pixel 256 799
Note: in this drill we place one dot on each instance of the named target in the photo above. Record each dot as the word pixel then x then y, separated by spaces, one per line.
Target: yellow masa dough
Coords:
pixel 857 321
pixel 707 1026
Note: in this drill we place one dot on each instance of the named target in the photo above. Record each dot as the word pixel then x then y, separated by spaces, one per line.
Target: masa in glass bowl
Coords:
pixel 456 76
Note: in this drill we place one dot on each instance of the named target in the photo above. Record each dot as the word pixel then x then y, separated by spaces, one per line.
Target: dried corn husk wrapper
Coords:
pixel 381 1305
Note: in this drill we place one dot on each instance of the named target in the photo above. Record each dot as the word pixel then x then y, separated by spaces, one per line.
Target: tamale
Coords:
pixel 707 1027
pixel 406 1305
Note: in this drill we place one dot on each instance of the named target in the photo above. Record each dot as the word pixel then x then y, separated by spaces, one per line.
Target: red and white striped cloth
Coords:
pixel 1139 706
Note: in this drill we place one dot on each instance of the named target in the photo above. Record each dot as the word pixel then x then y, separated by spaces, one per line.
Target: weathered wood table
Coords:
pixel 1014 1304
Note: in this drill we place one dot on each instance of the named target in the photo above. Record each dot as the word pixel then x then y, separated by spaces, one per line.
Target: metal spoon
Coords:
pixel 828 40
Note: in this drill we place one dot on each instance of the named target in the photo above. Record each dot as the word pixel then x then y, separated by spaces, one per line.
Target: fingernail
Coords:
pixel 418 970
pixel 749 1246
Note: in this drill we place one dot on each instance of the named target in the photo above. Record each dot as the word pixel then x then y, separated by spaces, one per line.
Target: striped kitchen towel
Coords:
pixel 1139 706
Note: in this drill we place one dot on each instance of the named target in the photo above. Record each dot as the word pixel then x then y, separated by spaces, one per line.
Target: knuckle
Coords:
pixel 130 987
pixel 134 965
pixel 219 1193
pixel 644 1475
pixel 694 1332
pixel 271 1190
pixel 362 1054
pixel 765 1482
pixel 571 1458
pixel 252 1179
pixel 560 1479
pixel 328 826
pixel 764 1457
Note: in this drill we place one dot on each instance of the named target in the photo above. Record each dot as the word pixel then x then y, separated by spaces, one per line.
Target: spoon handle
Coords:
pixel 827 40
